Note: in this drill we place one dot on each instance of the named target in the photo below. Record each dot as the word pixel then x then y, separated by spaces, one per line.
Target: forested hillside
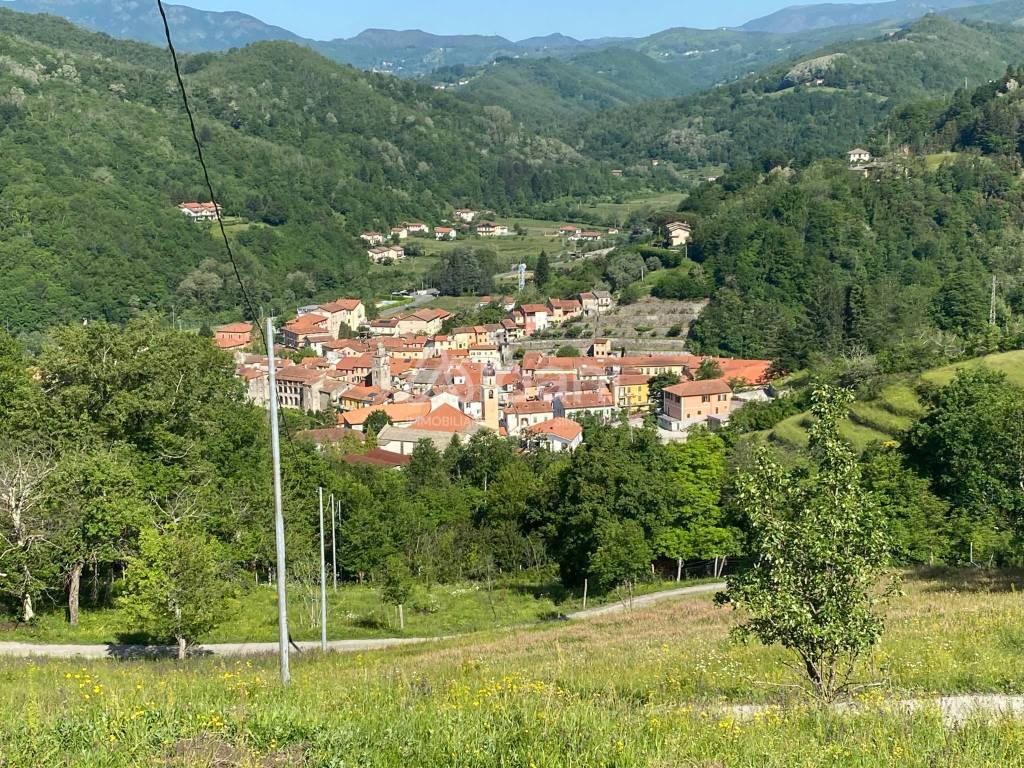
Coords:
pixel 824 260
pixel 818 105
pixel 95 156
pixel 676 62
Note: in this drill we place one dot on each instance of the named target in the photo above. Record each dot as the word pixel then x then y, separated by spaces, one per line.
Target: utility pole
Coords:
pixel 275 449
pixel 334 545
pixel 323 580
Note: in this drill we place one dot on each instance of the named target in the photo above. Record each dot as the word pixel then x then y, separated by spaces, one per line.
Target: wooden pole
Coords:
pixel 584 594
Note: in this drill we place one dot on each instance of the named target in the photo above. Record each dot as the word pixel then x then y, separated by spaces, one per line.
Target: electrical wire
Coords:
pixel 206 174
pixel 213 198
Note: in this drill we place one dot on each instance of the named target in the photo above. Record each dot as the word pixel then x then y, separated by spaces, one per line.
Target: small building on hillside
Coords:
pixel 555 435
pixel 693 401
pixel 372 238
pixel 201 211
pixel 464 214
pixel 858 155
pixel 445 233
pixel 631 391
pixel 490 229
pixel 524 415
pixel 343 313
pixel 417 228
pixel 233 335
pixel 679 233
pixel 382 254
pixel 596 302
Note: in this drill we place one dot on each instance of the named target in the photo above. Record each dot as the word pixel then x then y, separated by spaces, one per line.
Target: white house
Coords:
pixel 858 155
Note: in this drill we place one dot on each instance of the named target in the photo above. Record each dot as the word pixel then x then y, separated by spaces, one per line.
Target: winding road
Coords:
pixel 116 651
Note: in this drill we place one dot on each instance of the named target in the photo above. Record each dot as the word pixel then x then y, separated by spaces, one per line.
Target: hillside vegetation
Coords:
pixel 784 111
pixel 95 155
pixel 891 413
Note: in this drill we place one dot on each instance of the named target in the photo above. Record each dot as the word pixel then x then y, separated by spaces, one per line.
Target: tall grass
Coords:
pixel 652 688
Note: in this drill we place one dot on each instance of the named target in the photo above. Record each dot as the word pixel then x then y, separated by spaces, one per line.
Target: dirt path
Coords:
pixel 115 651
pixel 954 709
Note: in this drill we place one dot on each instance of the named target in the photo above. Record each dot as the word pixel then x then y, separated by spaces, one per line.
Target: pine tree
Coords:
pixel 542 274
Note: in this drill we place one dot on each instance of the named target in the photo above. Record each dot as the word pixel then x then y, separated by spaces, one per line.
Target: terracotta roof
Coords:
pixel 397 412
pixel 566 305
pixel 355 362
pixel 234 328
pixel 306 324
pixel 296 373
pixel 587 400
pixel 444 419
pixel 631 379
pixel 341 305
pixel 530 406
pixel 362 393
pixel 532 309
pixel 564 429
pixel 705 387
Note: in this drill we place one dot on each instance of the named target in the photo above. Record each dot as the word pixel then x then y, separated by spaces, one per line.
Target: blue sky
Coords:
pixel 515 19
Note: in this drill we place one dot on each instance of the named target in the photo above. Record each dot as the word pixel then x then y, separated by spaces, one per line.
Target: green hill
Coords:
pixel 550 91
pixel 892 412
pixel 95 156
pixel 818 104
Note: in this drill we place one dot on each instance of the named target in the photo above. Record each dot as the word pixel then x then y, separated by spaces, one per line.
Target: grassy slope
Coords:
pixel 643 689
pixel 895 408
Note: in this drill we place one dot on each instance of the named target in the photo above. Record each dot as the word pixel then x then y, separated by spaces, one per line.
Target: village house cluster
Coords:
pixel 434 385
pixel 386 247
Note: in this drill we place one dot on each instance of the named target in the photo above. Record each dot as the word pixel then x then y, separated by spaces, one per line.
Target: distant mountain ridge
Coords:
pixel 800 18
pixel 194 30
pixel 414 53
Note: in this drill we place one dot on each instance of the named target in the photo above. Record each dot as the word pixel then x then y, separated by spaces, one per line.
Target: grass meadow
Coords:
pixel 353 612
pixel 651 687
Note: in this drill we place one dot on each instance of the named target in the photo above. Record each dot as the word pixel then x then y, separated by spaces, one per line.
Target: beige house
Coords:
pixel 490 229
pixel 679 233
pixel 596 302
pixel 445 233
pixel 343 313
pixel 464 214
pixel 522 416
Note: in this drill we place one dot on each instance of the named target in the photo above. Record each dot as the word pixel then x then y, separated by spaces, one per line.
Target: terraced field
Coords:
pixel 894 410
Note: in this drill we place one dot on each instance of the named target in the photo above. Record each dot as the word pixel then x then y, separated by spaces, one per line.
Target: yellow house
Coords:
pixel 631 391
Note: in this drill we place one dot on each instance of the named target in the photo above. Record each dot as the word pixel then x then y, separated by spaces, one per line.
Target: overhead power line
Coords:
pixel 206 174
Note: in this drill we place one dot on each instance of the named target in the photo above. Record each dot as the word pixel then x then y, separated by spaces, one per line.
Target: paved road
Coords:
pixel 642 600
pixel 111 651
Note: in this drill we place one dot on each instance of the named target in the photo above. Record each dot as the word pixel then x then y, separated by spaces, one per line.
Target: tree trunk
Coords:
pixel 74 590
pixel 182 647
pixel 401 618
pixel 94 590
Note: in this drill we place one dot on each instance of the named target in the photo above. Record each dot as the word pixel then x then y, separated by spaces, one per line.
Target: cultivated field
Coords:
pixel 887 416
pixel 651 688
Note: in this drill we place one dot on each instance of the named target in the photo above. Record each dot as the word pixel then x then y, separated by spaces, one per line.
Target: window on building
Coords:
pixel 705 398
